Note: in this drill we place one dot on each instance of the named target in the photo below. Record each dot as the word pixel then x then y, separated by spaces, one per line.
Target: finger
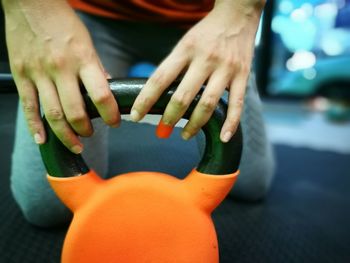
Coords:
pixel 105 72
pixel 55 115
pixel 30 105
pixel 235 106
pixel 73 104
pixel 184 94
pixel 207 103
pixel 97 86
pixel 160 80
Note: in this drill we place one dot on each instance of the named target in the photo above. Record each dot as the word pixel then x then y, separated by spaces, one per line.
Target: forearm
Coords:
pixel 41 8
pixel 41 18
pixel 36 3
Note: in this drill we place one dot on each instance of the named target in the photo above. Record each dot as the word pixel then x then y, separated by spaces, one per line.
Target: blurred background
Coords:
pixel 303 72
pixel 302 67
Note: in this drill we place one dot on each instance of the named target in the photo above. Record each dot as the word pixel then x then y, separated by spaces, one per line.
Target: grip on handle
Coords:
pixel 219 158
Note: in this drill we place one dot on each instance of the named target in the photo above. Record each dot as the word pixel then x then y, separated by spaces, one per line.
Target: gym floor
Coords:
pixel 297 124
pixel 304 218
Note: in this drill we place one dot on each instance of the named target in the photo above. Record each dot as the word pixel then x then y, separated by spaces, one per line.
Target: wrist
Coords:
pixel 245 8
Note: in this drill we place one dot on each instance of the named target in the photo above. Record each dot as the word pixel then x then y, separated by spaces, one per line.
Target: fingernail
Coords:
pixel 38 138
pixel 77 149
pixel 227 136
pixel 135 115
pixel 186 135
pixel 163 130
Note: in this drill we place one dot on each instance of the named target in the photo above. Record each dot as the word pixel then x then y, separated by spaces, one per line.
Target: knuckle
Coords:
pixel 178 103
pixel 57 61
pixel 245 69
pixel 189 41
pixel 208 103
pixel 213 54
pixel 35 62
pixel 239 101
pixel 230 62
pixel 18 66
pixel 29 106
pixel 180 100
pixel 238 66
pixel 102 97
pixel 54 114
pixel 77 117
pixel 158 79
pixel 85 55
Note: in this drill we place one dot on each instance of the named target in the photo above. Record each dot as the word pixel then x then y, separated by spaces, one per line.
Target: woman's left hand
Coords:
pixel 217 50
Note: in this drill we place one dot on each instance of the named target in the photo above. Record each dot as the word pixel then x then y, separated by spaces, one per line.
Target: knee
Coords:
pixel 254 181
pixel 251 191
pixel 40 208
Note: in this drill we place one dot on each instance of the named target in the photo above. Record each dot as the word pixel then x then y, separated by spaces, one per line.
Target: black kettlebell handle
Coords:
pixel 219 158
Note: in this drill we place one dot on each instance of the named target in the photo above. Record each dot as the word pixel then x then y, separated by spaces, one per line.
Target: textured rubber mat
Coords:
pixel 305 217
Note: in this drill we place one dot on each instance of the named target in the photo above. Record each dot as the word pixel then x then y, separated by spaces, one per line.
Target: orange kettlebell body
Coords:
pixel 142 217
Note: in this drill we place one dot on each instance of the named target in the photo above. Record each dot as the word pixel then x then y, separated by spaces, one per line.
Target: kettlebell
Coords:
pixel 143 217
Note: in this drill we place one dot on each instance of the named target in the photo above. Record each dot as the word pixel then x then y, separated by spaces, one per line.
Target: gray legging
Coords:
pixel 120 44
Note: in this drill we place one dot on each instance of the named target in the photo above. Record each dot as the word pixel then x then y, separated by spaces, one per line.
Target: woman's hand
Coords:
pixel 218 50
pixel 50 52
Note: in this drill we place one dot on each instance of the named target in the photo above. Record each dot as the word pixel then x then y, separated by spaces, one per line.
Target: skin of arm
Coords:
pixel 50 52
pixel 218 49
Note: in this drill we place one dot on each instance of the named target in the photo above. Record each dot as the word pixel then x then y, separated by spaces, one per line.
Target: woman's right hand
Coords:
pixel 50 52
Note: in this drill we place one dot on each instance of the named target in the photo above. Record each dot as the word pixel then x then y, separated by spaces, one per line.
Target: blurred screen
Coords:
pixel 311 46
